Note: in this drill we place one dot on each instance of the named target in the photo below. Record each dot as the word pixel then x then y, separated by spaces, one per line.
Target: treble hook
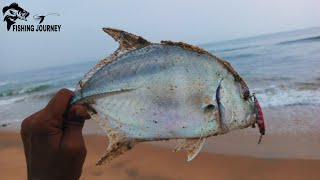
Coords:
pixel 260 138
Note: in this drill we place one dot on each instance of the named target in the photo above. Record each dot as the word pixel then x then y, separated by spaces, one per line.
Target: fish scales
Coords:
pixel 152 102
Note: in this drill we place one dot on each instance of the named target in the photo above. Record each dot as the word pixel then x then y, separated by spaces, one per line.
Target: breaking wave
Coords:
pixel 11 100
pixel 25 90
pixel 44 94
pixel 4 83
pixel 276 96
pixel 237 48
pixel 309 39
pixel 239 56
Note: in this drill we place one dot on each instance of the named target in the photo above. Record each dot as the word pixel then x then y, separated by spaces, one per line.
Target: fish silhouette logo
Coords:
pixel 12 13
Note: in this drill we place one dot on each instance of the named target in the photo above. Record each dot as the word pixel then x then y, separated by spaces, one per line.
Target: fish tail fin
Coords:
pixel 192 145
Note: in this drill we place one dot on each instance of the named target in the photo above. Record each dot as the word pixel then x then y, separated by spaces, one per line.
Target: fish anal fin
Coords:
pixel 119 143
pixel 125 39
pixel 192 145
pixel 117 146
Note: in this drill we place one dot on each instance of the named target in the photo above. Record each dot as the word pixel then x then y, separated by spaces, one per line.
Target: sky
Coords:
pixel 196 22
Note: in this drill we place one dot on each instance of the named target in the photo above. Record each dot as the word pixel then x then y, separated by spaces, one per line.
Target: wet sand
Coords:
pixel 147 161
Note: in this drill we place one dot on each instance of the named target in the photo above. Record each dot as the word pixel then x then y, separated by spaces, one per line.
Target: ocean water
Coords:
pixel 283 69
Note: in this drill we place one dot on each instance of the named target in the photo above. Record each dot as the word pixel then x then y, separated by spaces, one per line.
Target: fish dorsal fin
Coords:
pixel 190 47
pixel 185 46
pixel 128 42
pixel 125 39
pixel 192 145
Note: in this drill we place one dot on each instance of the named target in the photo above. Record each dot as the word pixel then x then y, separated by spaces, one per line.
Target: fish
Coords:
pixel 148 91
pixel 14 12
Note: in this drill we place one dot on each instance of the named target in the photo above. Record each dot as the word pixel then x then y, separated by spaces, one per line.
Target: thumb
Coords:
pixel 76 115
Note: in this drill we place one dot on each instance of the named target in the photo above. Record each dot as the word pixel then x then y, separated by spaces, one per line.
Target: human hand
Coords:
pixel 53 143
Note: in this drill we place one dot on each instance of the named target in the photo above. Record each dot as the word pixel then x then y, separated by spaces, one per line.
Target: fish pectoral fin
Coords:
pixel 125 39
pixel 192 145
pixel 116 148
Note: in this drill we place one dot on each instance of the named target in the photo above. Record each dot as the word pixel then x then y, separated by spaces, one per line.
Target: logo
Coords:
pixel 41 18
pixel 14 13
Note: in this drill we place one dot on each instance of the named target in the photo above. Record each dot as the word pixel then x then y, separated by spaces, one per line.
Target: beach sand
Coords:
pixel 285 153
pixel 147 161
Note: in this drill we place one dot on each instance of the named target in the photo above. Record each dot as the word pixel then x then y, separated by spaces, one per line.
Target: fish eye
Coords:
pixel 245 93
pixel 12 12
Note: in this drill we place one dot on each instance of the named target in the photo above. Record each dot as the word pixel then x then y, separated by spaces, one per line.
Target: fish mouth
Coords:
pixel 23 15
pixel 255 117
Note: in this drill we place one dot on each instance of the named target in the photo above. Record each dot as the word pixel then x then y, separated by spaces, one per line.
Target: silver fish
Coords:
pixel 149 92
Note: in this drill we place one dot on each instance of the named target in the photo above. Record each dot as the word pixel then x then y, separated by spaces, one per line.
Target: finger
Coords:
pixel 72 143
pixel 73 124
pixel 25 134
pixel 27 123
pixel 59 103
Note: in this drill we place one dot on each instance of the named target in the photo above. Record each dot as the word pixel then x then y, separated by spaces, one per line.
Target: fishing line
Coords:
pixel 260 138
pixel 56 14
pixel 41 18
